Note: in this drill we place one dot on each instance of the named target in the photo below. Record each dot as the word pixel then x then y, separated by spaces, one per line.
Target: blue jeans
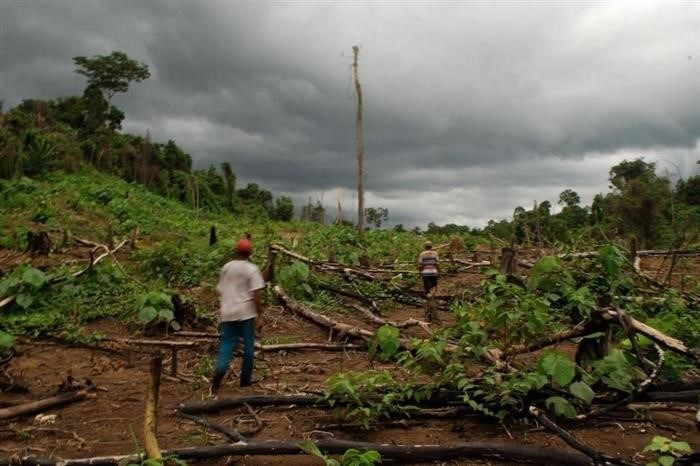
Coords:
pixel 231 332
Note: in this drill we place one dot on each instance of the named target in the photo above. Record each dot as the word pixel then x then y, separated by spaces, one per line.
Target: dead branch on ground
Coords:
pixel 230 433
pixel 597 456
pixel 44 405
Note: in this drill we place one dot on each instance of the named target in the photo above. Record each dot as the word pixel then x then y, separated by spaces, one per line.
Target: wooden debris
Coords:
pixel 400 453
pixel 230 433
pixel 150 422
pixel 596 456
pixel 326 322
pixel 43 405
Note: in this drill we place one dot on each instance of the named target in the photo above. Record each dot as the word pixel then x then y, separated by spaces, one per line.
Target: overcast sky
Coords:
pixel 470 109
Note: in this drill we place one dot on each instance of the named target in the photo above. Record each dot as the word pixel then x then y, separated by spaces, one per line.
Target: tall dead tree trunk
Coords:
pixel 359 145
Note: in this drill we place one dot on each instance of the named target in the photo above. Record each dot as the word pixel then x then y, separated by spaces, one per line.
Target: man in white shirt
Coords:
pixel 240 313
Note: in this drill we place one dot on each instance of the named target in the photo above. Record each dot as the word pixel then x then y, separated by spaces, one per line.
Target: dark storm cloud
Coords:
pixel 469 109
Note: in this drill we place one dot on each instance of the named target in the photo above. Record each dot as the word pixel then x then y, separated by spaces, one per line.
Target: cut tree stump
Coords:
pixel 150 422
pixel 38 243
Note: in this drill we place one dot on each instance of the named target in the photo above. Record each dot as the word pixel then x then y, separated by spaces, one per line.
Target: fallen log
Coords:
pixel 283 346
pixel 666 252
pixel 662 339
pixel 214 406
pixel 230 433
pixel 492 355
pixel 326 322
pixel 161 343
pixel 313 346
pixel 378 320
pixel 547 341
pixel 43 405
pixel 326 266
pixel 402 453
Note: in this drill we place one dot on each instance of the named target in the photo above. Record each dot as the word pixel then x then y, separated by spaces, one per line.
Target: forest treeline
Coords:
pixel 75 132
pixel 642 206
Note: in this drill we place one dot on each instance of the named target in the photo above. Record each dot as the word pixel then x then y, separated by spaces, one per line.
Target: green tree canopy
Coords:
pixel 111 73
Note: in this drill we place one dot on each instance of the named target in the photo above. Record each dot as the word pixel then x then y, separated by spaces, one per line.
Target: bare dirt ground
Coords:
pixel 111 421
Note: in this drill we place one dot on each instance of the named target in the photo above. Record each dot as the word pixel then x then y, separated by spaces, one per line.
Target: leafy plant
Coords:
pixel 154 307
pixel 666 450
pixel 352 457
pixel 385 342
pixel 6 342
pixel 294 279
pixel 371 394
pixel 25 283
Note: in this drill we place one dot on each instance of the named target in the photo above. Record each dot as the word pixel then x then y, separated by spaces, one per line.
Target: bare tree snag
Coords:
pixel 43 405
pixel 359 143
pixel 150 422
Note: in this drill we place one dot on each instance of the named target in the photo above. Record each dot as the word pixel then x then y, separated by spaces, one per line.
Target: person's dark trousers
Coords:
pixel 231 333
pixel 429 282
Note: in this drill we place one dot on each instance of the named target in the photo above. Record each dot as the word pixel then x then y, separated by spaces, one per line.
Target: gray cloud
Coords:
pixel 470 109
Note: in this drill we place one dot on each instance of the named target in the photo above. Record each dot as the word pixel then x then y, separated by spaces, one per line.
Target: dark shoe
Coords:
pixel 216 382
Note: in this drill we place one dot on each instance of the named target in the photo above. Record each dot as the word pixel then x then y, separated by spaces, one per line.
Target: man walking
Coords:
pixel 429 268
pixel 240 313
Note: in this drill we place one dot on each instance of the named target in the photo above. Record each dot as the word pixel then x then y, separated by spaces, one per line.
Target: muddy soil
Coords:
pixel 111 421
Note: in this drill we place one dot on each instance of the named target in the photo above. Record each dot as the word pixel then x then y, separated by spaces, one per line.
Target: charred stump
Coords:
pixel 38 243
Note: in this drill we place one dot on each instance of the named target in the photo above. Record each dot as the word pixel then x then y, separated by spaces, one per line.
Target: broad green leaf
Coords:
pixel 24 300
pixel 6 341
pixel 665 460
pixel 559 367
pixel 175 325
pixel 34 277
pixel 147 314
pixel 308 289
pixel 582 391
pixel 680 447
pixel 611 259
pixel 561 406
pixel 166 315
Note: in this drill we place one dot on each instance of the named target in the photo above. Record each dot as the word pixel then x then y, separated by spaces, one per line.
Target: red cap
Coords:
pixel 244 246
